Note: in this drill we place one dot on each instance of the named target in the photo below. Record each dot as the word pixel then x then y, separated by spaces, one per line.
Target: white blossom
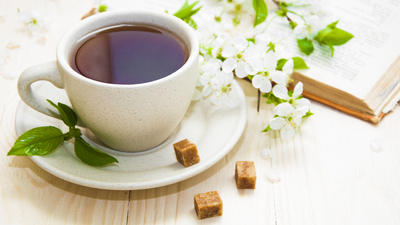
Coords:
pixel 266 153
pixel 287 119
pixel 281 92
pixel 310 28
pixel 36 21
pixel 239 56
pixel 222 94
pixel 279 44
pixel 196 95
pixel 209 70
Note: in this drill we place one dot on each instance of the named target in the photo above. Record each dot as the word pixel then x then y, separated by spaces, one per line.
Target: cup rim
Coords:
pixel 63 59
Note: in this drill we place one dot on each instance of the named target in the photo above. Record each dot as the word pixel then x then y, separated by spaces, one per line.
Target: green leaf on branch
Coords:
pixel 333 36
pixel 337 37
pixel 298 63
pixel 271 98
pixel 91 155
pixel 280 64
pixel 67 114
pixel 309 113
pixel 305 45
pixel 186 12
pixel 261 11
pixel 332 49
pixel 267 129
pixel 293 24
pixel 37 141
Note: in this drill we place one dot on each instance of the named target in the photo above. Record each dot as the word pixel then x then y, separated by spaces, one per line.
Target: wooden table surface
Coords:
pixel 329 172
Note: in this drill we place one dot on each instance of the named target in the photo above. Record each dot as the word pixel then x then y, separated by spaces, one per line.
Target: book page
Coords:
pixel 360 63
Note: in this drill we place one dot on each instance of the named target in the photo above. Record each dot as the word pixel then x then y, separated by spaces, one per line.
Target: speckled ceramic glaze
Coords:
pixel 125 117
pixel 215 130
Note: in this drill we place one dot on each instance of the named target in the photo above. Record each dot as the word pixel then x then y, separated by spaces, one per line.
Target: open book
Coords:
pixel 363 76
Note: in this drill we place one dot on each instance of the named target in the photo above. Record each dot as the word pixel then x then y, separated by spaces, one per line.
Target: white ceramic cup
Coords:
pixel 128 118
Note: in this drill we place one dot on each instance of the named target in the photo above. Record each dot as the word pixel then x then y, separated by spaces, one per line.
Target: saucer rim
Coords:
pixel 153 183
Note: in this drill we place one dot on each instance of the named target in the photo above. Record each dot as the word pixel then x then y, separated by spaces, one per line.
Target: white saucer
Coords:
pixel 215 131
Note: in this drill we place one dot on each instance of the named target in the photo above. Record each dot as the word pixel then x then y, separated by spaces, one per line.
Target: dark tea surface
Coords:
pixel 128 54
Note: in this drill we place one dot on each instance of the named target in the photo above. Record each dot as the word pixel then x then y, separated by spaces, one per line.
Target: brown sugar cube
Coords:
pixel 186 153
pixel 208 204
pixel 245 175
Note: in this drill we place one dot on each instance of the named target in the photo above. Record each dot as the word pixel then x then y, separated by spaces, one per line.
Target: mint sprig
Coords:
pixel 44 140
pixel 186 12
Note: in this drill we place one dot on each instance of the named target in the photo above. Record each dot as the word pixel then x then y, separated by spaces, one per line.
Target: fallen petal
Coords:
pixel 266 153
pixel 272 176
pixel 376 143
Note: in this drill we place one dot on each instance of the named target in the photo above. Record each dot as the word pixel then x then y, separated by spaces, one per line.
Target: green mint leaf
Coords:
pixel 261 11
pixel 299 63
pixel 293 24
pixel 191 23
pixel 267 129
pixel 309 113
pixel 271 98
pixel 337 37
pixel 102 8
pixel 67 114
pixel 186 11
pixel 90 155
pixel 280 64
pixel 37 141
pixel 305 45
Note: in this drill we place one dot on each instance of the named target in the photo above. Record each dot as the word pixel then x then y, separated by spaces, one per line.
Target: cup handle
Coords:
pixel 46 71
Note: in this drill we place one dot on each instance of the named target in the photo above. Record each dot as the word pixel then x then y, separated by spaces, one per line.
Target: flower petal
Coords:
pixel 281 92
pixel 225 78
pixel 266 87
pixel 196 95
pixel 283 109
pixel 207 90
pixel 279 77
pixel 240 72
pixel 228 51
pixel 297 120
pixel 298 90
pixel 288 67
pixel 257 81
pixel 300 111
pixel 277 123
pixel 205 78
pixel 303 102
pixel 240 43
pixel 287 131
pixel 229 65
